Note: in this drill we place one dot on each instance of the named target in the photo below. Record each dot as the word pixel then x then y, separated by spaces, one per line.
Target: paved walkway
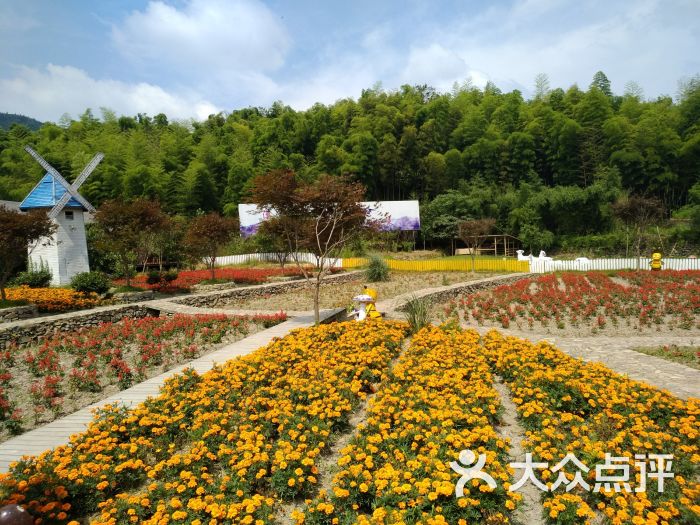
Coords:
pixel 58 432
pixel 167 306
pixel 617 354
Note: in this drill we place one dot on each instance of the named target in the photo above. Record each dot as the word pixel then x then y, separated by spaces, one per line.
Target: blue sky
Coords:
pixel 189 58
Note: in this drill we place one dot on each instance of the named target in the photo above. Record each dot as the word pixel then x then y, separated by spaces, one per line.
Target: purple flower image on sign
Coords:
pixel 394 215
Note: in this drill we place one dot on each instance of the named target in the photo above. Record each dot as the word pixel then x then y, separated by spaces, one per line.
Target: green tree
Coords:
pixel 601 82
pixel 127 230
pixel 20 231
pixel 206 235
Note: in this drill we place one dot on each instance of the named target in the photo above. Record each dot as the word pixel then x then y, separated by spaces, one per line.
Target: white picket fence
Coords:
pixel 629 263
pixel 537 265
pixel 310 258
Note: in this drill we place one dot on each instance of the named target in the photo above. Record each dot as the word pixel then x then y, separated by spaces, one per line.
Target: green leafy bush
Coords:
pixel 34 277
pixel 377 270
pixel 170 276
pixel 90 282
pixel 154 277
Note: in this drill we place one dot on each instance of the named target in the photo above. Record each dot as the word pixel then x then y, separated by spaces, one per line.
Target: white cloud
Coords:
pixel 217 36
pixel 434 65
pixel 646 42
pixel 45 95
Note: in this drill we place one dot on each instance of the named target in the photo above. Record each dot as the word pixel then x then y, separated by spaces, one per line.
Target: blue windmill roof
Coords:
pixel 46 194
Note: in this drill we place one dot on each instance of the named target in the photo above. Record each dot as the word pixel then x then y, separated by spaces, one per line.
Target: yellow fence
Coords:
pixel 446 265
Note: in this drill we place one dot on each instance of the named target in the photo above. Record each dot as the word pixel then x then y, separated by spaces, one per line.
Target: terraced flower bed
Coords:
pixel 188 278
pixel 437 401
pixel 249 441
pixel 72 370
pixel 587 410
pixel 591 301
pixel 224 446
pixel 53 300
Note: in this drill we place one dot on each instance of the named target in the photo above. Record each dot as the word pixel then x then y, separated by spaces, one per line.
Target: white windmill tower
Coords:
pixel 66 252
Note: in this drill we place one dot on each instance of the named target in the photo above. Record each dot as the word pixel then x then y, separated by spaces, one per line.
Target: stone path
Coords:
pixel 58 432
pixel 167 306
pixel 617 354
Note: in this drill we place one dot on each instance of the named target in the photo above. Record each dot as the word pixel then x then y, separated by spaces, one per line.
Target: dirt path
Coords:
pixel 327 465
pixel 529 512
pixel 617 353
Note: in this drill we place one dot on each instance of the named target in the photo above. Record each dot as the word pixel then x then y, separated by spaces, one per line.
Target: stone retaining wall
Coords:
pixel 7 315
pixel 30 331
pixel 133 297
pixel 223 297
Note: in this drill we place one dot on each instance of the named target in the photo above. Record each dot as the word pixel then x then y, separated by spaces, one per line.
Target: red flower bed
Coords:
pixel 64 367
pixel 189 278
pixel 590 299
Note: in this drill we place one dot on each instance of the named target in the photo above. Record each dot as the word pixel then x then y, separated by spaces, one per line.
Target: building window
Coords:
pixel 69 215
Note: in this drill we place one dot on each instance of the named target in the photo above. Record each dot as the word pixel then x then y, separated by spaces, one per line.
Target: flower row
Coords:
pixel 585 409
pixel 53 300
pixel 436 401
pixel 593 300
pixel 65 367
pixel 188 278
pixel 221 446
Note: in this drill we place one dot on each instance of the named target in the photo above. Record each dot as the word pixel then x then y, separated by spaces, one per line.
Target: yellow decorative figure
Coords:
pixel 371 311
pixel 371 292
pixel 366 307
pixel 656 263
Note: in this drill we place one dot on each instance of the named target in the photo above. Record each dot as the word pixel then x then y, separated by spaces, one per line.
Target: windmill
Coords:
pixel 66 252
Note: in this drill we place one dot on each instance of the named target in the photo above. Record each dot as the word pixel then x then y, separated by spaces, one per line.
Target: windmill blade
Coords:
pixel 48 167
pixel 73 190
pixel 87 170
pixel 59 205
pixel 64 200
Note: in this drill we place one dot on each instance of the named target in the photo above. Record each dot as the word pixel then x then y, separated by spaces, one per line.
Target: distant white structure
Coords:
pixel 542 257
pixel 65 253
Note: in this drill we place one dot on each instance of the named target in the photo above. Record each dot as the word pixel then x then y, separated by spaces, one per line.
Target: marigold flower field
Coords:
pixel 53 300
pixel 594 300
pixel 588 410
pixel 38 383
pixel 244 442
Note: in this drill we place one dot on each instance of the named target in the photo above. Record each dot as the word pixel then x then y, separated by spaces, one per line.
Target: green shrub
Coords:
pixel 34 277
pixel 377 270
pixel 154 277
pixel 170 276
pixel 11 304
pixel 417 313
pixel 90 282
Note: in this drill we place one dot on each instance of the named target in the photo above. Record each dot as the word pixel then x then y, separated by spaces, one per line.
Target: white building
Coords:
pixel 66 252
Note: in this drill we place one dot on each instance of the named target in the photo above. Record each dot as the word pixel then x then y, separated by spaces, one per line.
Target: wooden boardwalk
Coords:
pixel 58 432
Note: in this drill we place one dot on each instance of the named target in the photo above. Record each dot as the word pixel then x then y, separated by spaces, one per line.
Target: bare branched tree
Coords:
pixel 320 217
pixel 474 233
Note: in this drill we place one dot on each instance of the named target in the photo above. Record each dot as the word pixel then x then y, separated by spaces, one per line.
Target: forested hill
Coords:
pixel 547 169
pixel 7 119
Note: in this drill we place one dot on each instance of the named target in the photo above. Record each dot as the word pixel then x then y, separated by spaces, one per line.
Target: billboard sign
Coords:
pixel 394 215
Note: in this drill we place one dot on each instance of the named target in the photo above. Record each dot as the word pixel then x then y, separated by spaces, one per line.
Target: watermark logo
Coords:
pixel 613 475
pixel 467 457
